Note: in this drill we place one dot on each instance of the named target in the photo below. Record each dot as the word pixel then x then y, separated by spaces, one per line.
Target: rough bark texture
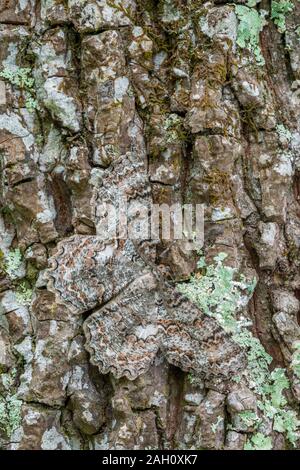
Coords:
pixel 159 100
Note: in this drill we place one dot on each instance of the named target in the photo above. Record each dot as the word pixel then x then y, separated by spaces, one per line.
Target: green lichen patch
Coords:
pixel 12 264
pixel 24 294
pixel 215 425
pixel 219 292
pixel 21 77
pixel 10 405
pixel 259 442
pixel 10 414
pixel 251 23
pixel 279 10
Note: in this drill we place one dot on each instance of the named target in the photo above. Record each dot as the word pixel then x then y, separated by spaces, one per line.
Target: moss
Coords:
pixel 117 5
pixel 8 214
pixel 219 185
pixel 247 115
pixel 40 141
pixel 52 107
pixel 2 263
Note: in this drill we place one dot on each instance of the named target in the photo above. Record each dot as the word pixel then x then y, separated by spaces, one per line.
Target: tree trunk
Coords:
pixel 132 343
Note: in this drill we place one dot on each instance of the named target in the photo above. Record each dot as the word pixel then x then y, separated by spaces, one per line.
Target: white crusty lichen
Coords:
pixel 225 27
pixel 60 105
pixel 284 164
pixel 284 134
pixel 13 124
pixel 52 440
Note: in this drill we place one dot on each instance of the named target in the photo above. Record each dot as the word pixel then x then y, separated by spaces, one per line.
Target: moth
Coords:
pixel 133 312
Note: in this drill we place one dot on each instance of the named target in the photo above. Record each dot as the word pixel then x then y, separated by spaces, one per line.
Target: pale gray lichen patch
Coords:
pixel 21 5
pixel 53 440
pixel 61 106
pixel 284 166
pixel 12 123
pixel 220 24
pixel 121 86
pixel 53 150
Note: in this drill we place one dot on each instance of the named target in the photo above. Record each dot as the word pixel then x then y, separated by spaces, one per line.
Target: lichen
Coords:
pixel 216 425
pixel 13 123
pixel 61 106
pixel 24 294
pixel 251 23
pixel 279 10
pixel 10 405
pixel 217 293
pixel 174 129
pixel 285 136
pixel 259 442
pixel 220 293
pixel 13 262
pixel 21 77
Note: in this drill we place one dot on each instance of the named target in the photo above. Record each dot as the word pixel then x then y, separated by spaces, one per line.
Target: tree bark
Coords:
pixel 161 102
